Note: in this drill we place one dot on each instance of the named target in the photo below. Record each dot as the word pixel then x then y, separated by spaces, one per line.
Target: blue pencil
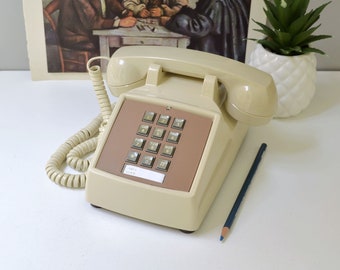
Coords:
pixel 242 192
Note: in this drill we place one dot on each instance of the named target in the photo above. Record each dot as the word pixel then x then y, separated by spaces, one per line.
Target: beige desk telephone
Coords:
pixel 173 134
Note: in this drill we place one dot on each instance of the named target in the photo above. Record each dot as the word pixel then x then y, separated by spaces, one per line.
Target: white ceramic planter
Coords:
pixel 294 77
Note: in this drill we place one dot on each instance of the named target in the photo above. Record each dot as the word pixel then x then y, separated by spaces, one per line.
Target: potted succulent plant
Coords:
pixel 286 53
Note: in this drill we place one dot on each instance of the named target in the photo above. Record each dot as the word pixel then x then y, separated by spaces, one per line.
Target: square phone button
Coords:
pixel 149 116
pixel 143 130
pixel 133 157
pixel 163 164
pixel 178 123
pixel 153 147
pixel 158 133
pixel 168 150
pixel 163 120
pixel 148 161
pixel 138 143
pixel 173 137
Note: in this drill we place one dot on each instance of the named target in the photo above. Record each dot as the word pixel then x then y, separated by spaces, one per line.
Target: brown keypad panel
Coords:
pixel 155 144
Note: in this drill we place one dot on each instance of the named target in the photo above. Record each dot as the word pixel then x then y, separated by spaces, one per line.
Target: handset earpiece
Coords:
pixel 124 74
pixel 250 103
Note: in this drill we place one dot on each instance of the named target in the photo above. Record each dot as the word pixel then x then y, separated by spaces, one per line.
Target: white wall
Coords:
pixel 330 23
pixel 13 53
pixel 13 41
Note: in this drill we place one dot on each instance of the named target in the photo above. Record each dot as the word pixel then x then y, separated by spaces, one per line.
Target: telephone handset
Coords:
pixel 251 96
pixel 168 143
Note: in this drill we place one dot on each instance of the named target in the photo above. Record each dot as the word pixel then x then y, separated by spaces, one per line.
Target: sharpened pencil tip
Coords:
pixel 224 233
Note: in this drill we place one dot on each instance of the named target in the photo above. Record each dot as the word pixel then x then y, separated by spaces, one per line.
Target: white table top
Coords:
pixel 289 219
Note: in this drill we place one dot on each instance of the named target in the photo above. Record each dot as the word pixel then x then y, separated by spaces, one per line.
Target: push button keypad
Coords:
pixel 155 144
pixel 160 135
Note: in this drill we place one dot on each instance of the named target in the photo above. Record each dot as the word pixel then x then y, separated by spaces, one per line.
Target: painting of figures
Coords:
pixel 64 34
pixel 76 30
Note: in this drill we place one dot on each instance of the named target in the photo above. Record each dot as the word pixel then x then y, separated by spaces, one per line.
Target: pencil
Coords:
pixel 232 214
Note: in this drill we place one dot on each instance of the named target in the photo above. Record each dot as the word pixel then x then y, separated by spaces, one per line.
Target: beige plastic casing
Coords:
pixel 172 208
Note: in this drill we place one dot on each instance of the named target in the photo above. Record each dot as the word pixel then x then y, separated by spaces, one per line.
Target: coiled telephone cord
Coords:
pixel 77 147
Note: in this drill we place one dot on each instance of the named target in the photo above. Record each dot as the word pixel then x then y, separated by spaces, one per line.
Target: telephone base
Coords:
pixel 170 143
pixel 156 202
pixel 175 209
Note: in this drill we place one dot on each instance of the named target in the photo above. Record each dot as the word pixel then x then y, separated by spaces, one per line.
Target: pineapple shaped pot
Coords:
pixel 294 77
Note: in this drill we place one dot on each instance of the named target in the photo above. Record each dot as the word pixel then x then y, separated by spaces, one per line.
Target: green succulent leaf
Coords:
pixel 265 29
pixel 299 25
pixel 283 17
pixel 299 8
pixel 272 46
pixel 313 50
pixel 272 14
pixel 314 38
pixel 314 15
pixel 271 6
pixel 291 51
pixel 284 38
pixel 272 19
pixel 301 37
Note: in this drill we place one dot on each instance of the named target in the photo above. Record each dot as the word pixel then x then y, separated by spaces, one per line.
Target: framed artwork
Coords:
pixel 61 38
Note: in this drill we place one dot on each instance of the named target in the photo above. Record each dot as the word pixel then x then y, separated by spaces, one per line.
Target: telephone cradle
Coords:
pixel 174 132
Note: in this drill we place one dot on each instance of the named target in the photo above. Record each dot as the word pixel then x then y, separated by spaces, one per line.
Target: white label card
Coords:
pixel 144 173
